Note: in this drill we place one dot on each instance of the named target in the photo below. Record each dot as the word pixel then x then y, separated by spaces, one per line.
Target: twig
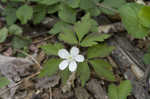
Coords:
pixel 50 93
pixel 36 62
pixel 69 82
pixel 49 37
pixel 5 90
pixel 113 63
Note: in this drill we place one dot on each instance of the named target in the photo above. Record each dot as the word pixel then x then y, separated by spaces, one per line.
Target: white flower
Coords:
pixel 70 59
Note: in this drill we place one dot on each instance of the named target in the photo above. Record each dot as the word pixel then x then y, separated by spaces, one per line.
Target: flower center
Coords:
pixel 70 58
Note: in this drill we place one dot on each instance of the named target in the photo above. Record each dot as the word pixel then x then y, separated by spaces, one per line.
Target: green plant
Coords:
pixel 80 35
pixel 136 19
pixel 121 91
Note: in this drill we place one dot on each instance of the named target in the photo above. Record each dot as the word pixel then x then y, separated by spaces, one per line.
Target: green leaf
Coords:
pixel 146 58
pixel 4 82
pixel 103 69
pixel 84 72
pixel 65 75
pixel 67 14
pixel 144 16
pixel 68 36
pixel 24 13
pixel 18 0
pixel 20 42
pixel 58 27
pixel 124 89
pixel 94 26
pixel 92 39
pixel 52 8
pixel 86 4
pixel 50 67
pixel 100 50
pixel 121 91
pixel 10 14
pixel 3 34
pixel 4 1
pixel 47 2
pixel 129 15
pixel 52 49
pixel 94 11
pixel 73 3
pixel 39 13
pixel 114 4
pixel 113 92
pixel 83 27
pixel 15 29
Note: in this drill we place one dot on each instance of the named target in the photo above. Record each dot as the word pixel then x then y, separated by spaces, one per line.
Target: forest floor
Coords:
pixel 126 60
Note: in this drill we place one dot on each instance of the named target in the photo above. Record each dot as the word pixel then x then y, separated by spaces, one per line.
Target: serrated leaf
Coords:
pixel 52 8
pixel 67 14
pixel 65 75
pixel 100 50
pixel 58 27
pixel 94 26
pixel 68 36
pixel 50 68
pixel 121 91
pixel 24 13
pixel 92 39
pixel 15 30
pixel 114 4
pixel 94 11
pixel 103 69
pixel 20 42
pixel 4 1
pixel 3 34
pixel 129 15
pixel 48 2
pixel 73 3
pixel 124 89
pixel 18 0
pixel 4 82
pixel 10 14
pixel 86 4
pixel 113 92
pixel 52 49
pixel 146 58
pixel 39 13
pixel 144 16
pixel 83 72
pixel 83 27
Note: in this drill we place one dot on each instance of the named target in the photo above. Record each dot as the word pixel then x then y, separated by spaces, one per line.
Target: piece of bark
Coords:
pixel 81 93
pixel 111 28
pixel 57 94
pixel 13 69
pixel 138 90
pixel 96 89
pixel 47 82
pixel 126 56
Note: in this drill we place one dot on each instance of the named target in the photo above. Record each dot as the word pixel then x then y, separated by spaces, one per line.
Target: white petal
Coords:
pixel 63 53
pixel 63 64
pixel 79 58
pixel 73 66
pixel 74 51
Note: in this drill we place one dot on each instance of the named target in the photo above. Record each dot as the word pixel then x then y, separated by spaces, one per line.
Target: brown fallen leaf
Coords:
pixel 14 68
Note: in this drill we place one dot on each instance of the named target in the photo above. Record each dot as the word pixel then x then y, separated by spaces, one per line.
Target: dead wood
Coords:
pixel 13 68
pixel 96 89
pixel 126 56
